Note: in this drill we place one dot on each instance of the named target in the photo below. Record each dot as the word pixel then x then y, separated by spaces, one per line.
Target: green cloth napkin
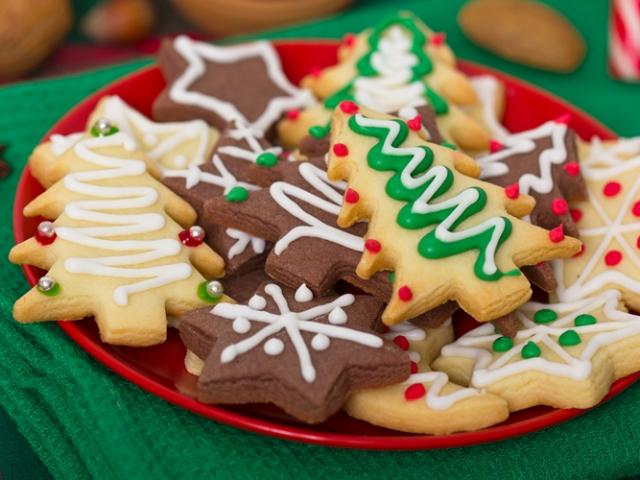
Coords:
pixel 85 422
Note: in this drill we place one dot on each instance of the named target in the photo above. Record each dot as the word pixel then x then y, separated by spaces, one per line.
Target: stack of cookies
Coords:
pixel 315 245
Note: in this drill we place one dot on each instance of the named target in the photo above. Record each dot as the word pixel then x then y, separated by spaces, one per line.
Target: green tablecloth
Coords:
pixel 84 421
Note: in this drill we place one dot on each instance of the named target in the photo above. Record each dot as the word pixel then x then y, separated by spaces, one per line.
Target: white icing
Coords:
pixel 611 154
pixel 337 316
pixel 159 138
pixel 320 342
pixel 436 176
pixel 257 302
pixel 61 143
pixel 492 166
pixel 243 240
pixel 241 325
pixel 105 199
pixel 487 88
pixel 243 132
pixel 273 346
pixel 197 53
pixel 615 326
pixel 614 230
pixel 303 294
pixel 392 89
pixel 284 194
pixel 293 323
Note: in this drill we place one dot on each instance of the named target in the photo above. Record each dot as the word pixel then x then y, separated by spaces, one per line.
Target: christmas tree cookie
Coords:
pixel 446 235
pixel 398 63
pixel 427 402
pixel 116 249
pixel 609 229
pixel 564 355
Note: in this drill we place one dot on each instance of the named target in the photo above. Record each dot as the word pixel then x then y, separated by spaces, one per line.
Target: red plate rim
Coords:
pixel 289 432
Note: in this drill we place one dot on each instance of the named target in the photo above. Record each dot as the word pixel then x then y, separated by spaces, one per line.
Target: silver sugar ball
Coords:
pixel 45 229
pixel 103 126
pixel 215 289
pixel 197 233
pixel 46 283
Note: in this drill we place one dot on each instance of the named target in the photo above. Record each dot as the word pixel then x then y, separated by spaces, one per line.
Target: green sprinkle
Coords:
pixel 450 145
pixel 55 290
pixel 530 350
pixel 318 131
pixel 569 338
pixel 97 133
pixel 584 319
pixel 502 344
pixel 267 159
pixel 204 294
pixel 237 194
pixel 392 277
pixel 545 315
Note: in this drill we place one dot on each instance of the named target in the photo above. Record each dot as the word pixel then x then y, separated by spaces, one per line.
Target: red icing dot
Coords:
pixel 415 123
pixel 572 168
pixel 556 234
pixel 415 391
pixel 316 71
pixel 44 239
pixel 638 242
pixel 348 106
pixel 611 189
pixel 293 114
pixel 349 39
pixel 512 191
pixel 612 258
pixel 576 214
pixel 188 240
pixel 564 119
pixel 372 245
pixel 437 39
pixel 559 206
pixel 351 196
pixel 402 342
pixel 414 367
pixel 581 251
pixel 495 146
pixel 636 209
pixel 404 293
pixel 340 149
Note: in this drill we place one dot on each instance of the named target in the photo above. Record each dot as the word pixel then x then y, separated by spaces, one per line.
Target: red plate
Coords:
pixel 160 369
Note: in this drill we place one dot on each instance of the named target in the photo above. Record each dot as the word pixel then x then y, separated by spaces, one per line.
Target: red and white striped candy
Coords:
pixel 624 39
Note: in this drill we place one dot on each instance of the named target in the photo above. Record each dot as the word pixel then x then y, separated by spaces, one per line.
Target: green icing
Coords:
pixel 545 315
pixel 439 181
pixel 267 159
pixel 204 295
pixel 96 133
pixel 569 338
pixel 502 344
pixel 318 131
pixel 392 277
pixel 237 194
pixel 584 319
pixel 450 145
pixel 55 290
pixel 530 350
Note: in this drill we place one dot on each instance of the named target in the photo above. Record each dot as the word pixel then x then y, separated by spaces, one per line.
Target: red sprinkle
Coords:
pixel 405 294
pixel 415 391
pixel 512 191
pixel 611 189
pixel 44 240
pixel 293 114
pixel 402 342
pixel 414 367
pixel 581 251
pixel 372 245
pixel 351 196
pixel 495 146
pixel 348 106
pixel 612 258
pixel 415 123
pixel 564 119
pixel 340 149
pixel 638 242
pixel 572 168
pixel 349 39
pixel 636 209
pixel 437 39
pixel 188 240
pixel 576 214
pixel 557 234
pixel 559 206
pixel 316 71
